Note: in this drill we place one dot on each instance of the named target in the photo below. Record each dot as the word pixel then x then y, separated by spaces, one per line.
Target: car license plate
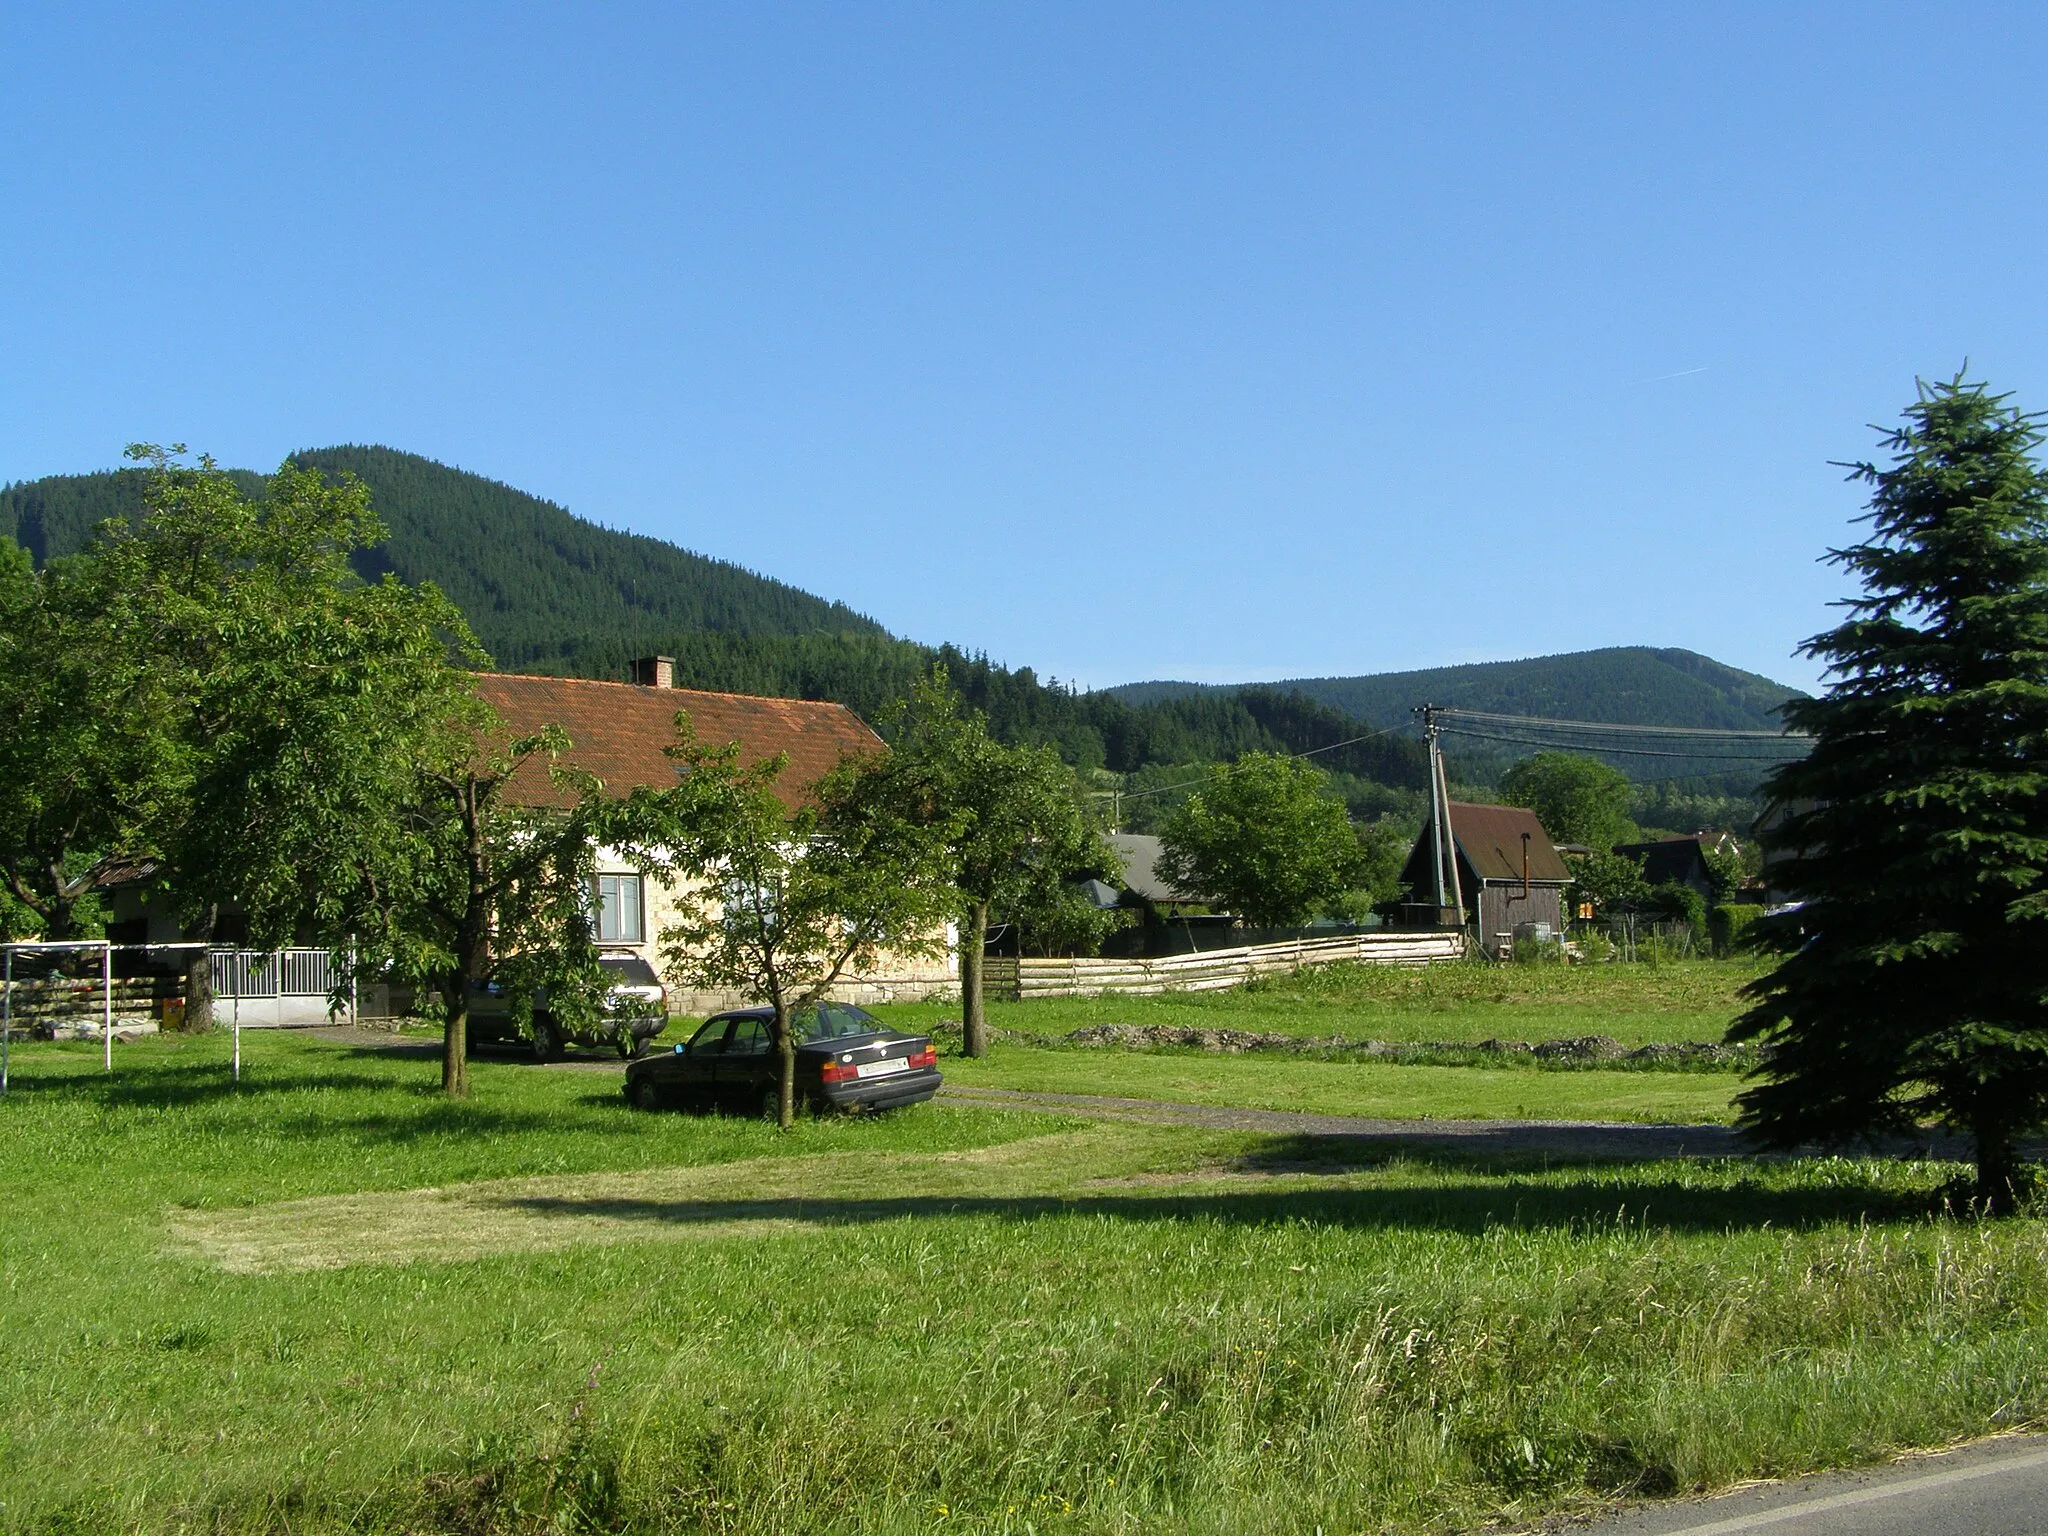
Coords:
pixel 881 1068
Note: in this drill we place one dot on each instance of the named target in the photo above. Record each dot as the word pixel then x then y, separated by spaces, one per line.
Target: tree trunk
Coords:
pixel 1998 1171
pixel 59 923
pixel 472 955
pixel 973 1009
pixel 785 1051
pixel 199 973
pixel 455 1034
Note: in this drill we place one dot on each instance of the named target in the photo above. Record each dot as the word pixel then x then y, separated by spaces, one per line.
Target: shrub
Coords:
pixel 1730 926
pixel 1675 903
pixel 1595 948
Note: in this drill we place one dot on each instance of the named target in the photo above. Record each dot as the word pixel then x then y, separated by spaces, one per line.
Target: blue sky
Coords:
pixel 1122 341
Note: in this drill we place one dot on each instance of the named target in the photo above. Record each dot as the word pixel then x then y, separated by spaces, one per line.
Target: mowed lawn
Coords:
pixel 1259 1081
pixel 327 1300
pixel 1470 1002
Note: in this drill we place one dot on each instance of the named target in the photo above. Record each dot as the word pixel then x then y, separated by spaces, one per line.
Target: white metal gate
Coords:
pixel 287 984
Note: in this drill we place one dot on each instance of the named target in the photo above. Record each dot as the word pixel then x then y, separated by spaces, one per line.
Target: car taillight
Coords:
pixel 839 1071
pixel 928 1057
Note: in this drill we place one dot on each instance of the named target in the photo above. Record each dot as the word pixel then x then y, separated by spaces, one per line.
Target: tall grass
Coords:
pixel 1202 1332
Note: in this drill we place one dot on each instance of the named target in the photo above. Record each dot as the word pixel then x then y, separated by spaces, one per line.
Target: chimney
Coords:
pixel 655 671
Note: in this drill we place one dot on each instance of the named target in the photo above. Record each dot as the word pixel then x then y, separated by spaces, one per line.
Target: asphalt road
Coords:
pixel 1992 1488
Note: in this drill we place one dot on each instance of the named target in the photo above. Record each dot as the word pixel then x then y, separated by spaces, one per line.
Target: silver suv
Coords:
pixel 635 1011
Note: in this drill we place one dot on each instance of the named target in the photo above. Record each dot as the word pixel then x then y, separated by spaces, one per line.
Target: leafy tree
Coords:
pixel 1672 902
pixel 1383 849
pixel 1578 799
pixel 1612 882
pixel 1910 984
pixel 1008 820
pixel 468 880
pixel 89 749
pixel 1060 919
pixel 209 689
pixel 1726 870
pixel 303 696
pixel 779 902
pixel 1267 842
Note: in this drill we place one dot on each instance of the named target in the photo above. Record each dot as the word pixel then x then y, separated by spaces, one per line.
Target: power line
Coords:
pixel 1163 789
pixel 1702 732
pixel 1698 757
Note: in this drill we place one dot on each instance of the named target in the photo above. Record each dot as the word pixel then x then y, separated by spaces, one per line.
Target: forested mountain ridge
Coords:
pixel 1622 685
pixel 544 590
pixel 549 592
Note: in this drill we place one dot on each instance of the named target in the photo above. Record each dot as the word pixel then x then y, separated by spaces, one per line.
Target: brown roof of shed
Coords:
pixel 1489 841
pixel 1490 838
pixel 617 731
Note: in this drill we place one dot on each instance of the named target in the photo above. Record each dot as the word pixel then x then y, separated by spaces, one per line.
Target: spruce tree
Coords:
pixel 1914 979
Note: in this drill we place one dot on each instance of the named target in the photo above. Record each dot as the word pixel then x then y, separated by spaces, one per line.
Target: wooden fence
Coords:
pixel 1209 970
pixel 41 1000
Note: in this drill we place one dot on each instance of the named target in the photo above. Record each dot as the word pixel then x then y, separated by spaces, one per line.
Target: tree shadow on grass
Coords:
pixel 419 1111
pixel 1454 1196
pixel 174 1086
pixel 1469 1209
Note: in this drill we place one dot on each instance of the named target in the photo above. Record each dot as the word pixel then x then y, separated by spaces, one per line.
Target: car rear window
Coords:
pixel 838 1021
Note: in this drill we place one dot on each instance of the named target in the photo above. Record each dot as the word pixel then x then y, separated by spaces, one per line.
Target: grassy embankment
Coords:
pixel 328 1300
pixel 1634 1004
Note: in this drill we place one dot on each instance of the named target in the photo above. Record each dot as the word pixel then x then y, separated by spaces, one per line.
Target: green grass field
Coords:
pixel 1635 1004
pixel 1355 1088
pixel 327 1300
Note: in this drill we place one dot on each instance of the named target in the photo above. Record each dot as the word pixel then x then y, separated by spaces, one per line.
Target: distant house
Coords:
pixel 1509 872
pixel 1144 886
pixel 617 733
pixel 1678 860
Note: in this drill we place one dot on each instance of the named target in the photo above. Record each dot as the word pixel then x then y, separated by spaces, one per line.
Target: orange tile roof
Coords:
pixel 617 731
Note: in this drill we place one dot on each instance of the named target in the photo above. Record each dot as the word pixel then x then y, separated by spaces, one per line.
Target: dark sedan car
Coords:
pixel 846 1058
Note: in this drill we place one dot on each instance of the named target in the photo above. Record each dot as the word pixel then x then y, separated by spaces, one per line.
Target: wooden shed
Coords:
pixel 1509 872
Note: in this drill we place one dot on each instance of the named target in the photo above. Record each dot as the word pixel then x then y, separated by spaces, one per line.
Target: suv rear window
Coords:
pixel 629 970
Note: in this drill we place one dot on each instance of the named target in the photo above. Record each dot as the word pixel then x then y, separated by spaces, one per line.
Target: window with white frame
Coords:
pixel 621 913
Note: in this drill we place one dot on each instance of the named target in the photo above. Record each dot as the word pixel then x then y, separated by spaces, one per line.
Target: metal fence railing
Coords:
pixel 249 973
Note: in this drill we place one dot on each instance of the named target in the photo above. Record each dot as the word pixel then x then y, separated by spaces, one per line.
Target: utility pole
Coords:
pixel 1443 843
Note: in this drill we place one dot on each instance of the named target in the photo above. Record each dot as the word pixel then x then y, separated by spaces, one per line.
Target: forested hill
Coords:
pixel 1624 685
pixel 544 589
pixel 549 592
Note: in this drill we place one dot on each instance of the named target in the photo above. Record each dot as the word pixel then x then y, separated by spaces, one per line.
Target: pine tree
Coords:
pixel 1914 982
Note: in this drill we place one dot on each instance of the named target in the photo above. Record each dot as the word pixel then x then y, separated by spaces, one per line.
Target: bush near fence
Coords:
pixel 1731 924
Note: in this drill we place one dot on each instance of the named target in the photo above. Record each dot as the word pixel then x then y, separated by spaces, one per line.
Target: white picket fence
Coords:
pixel 1209 970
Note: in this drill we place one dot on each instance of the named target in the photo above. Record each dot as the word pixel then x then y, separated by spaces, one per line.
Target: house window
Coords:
pixel 620 911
